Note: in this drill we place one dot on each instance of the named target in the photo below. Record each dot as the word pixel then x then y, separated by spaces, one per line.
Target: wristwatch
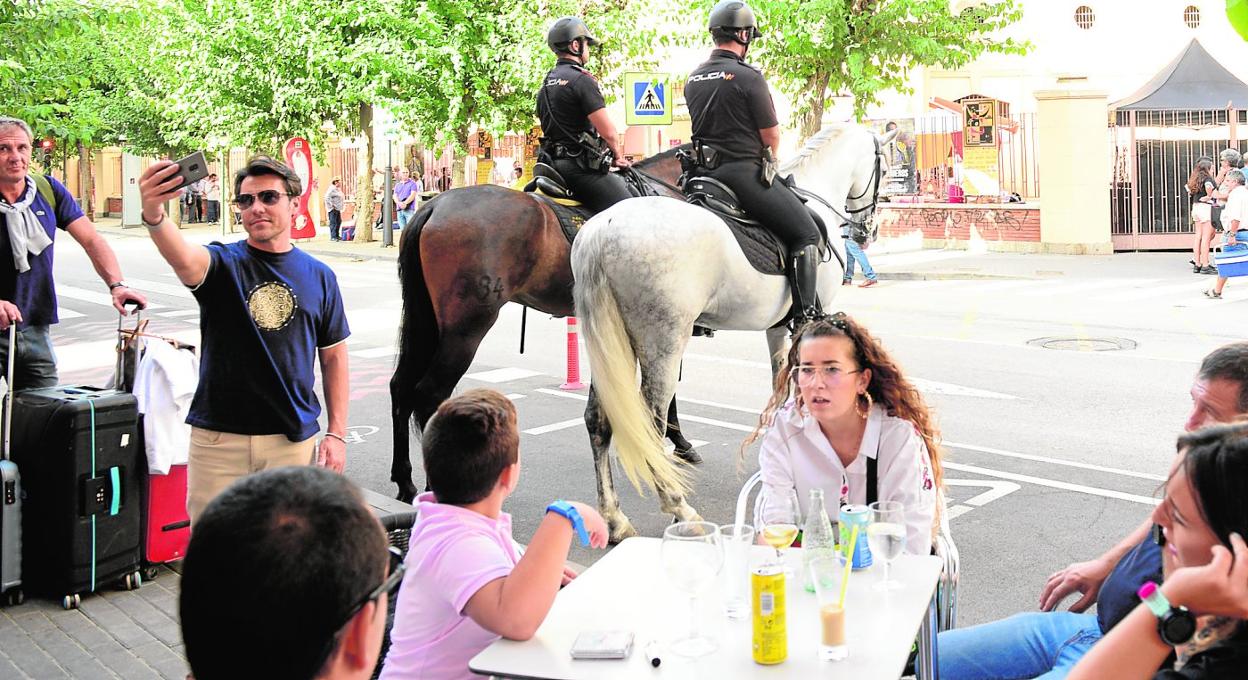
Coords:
pixel 568 510
pixel 1175 625
pixel 117 284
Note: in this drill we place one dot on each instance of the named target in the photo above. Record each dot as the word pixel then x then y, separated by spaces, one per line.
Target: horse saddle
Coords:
pixel 765 252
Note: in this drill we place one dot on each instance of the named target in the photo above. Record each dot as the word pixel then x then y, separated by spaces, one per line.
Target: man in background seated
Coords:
pixel 286 579
pixel 1049 643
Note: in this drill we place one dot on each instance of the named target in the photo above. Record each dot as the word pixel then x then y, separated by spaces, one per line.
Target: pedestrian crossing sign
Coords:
pixel 649 99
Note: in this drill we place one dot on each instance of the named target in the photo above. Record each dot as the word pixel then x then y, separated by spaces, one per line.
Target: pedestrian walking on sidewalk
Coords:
pixel 856 243
pixel 334 203
pixel 268 313
pixel 1234 223
pixel 33 209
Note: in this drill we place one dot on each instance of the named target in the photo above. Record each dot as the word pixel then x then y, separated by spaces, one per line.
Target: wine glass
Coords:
pixel 692 555
pixel 887 537
pixel 777 518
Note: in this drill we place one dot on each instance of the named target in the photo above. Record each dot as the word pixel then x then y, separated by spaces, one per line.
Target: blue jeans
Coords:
pixel 1044 645
pixel 855 252
pixel 35 364
pixel 404 217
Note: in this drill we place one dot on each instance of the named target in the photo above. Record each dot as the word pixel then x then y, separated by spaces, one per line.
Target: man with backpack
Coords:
pixel 32 208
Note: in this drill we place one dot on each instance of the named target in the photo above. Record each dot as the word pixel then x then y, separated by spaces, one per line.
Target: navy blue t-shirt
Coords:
pixel 33 291
pixel 1118 593
pixel 263 316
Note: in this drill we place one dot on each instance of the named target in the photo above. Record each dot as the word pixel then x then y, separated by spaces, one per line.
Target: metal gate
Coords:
pixel 1153 154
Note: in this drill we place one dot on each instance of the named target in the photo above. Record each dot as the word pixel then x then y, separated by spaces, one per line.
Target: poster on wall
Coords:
pixel 299 157
pixel 979 122
pixel 980 174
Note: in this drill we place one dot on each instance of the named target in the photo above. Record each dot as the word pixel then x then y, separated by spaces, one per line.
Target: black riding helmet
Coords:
pixel 733 16
pixel 564 31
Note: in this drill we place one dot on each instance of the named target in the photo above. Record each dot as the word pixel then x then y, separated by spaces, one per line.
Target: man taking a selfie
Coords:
pixel 268 312
pixel 32 209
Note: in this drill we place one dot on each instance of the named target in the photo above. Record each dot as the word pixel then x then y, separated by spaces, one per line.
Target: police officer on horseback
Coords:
pixel 579 138
pixel 735 133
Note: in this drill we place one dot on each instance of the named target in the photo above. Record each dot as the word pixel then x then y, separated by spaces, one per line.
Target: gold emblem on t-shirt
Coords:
pixel 272 305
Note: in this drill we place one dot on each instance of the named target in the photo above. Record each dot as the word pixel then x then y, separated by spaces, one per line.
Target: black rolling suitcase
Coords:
pixel 10 499
pixel 79 452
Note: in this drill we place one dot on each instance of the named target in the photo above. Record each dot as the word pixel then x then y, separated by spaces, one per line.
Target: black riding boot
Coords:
pixel 802 277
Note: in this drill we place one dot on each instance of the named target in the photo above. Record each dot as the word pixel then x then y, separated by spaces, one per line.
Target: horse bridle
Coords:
pixel 875 191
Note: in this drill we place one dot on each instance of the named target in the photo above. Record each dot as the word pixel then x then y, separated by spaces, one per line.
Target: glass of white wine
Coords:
pixel 777 518
pixel 886 534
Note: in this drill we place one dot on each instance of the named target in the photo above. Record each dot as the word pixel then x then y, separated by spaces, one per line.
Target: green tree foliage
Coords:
pixel 817 48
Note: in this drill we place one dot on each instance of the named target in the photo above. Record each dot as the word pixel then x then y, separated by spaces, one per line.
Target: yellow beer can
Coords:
pixel 771 639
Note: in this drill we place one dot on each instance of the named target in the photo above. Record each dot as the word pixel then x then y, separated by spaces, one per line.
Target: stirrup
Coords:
pixel 703 331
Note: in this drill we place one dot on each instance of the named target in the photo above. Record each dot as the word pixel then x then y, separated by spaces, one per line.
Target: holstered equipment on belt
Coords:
pixel 590 152
pixel 767 174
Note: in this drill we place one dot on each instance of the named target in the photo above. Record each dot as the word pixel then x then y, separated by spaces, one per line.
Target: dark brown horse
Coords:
pixel 462 257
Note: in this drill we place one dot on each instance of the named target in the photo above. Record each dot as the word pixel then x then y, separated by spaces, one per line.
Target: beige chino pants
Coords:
pixel 217 459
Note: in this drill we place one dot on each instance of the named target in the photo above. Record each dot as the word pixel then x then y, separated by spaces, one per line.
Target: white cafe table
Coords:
pixel 627 590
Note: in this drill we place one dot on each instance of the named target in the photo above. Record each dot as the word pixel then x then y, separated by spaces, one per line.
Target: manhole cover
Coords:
pixel 1084 344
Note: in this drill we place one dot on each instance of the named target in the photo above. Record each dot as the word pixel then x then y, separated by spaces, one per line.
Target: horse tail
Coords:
pixel 418 340
pixel 613 365
pixel 418 331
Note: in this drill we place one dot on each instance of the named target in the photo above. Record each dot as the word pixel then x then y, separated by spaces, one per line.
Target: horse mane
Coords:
pixel 814 143
pixel 660 157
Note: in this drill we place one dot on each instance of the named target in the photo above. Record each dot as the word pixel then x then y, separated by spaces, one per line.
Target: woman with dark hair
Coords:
pixel 1200 185
pixel 844 419
pixel 1176 633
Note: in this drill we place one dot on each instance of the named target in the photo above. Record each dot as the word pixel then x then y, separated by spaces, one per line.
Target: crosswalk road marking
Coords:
pixel 147 286
pixel 179 312
pixel 561 425
pixel 373 352
pixel 64 314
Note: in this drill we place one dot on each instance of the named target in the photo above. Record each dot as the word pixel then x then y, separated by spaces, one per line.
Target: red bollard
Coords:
pixel 574 358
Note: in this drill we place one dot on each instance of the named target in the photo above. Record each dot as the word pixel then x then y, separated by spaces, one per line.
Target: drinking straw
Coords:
pixel 849 563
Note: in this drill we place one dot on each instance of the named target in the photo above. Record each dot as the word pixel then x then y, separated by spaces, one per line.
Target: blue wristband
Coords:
pixel 568 510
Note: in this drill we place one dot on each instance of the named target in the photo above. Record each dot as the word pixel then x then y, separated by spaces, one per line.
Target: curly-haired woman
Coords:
pixel 844 419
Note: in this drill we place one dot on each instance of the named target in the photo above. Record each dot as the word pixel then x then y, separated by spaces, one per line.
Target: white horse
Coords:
pixel 648 269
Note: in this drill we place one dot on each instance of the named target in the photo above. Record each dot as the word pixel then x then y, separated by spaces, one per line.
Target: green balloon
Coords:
pixel 1237 12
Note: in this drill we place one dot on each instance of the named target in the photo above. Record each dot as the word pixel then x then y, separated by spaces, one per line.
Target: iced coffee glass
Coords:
pixel 826 574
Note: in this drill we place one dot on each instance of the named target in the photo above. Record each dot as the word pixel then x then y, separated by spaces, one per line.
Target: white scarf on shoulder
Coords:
pixel 27 235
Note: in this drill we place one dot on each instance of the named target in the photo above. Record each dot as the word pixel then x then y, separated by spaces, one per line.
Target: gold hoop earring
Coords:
pixel 859 409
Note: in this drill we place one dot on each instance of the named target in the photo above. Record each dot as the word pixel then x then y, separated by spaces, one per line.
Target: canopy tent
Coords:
pixel 1193 81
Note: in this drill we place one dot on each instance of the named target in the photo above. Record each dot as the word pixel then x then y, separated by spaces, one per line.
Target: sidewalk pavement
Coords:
pixel 893 265
pixel 132 635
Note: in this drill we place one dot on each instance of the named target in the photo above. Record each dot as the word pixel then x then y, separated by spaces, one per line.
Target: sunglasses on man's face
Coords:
pixel 267 197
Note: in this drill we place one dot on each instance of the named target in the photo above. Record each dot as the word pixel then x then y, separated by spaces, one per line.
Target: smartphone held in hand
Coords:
pixel 192 169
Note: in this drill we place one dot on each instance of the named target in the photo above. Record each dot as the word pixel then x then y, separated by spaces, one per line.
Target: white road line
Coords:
pixel 1075 287
pixel 923 385
pixel 176 290
pixel 996 490
pixel 562 393
pixel 957 511
pixel 1057 461
pixel 717 404
pixel 500 375
pixel 516 396
pixel 1193 287
pixel 562 425
pixel 62 313
pixel 92 296
pixel 1053 484
pixel 373 352
pixel 179 312
pixel 716 423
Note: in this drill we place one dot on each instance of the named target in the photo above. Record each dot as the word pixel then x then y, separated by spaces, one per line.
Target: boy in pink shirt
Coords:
pixel 467 584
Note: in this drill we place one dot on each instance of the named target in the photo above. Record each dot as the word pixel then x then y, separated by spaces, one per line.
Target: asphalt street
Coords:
pixel 1051 454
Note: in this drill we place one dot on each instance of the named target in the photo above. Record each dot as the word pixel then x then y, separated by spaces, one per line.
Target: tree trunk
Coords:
pixel 812 120
pixel 86 186
pixel 364 214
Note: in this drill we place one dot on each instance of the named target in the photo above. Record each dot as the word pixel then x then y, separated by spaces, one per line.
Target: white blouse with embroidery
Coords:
pixel 795 454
